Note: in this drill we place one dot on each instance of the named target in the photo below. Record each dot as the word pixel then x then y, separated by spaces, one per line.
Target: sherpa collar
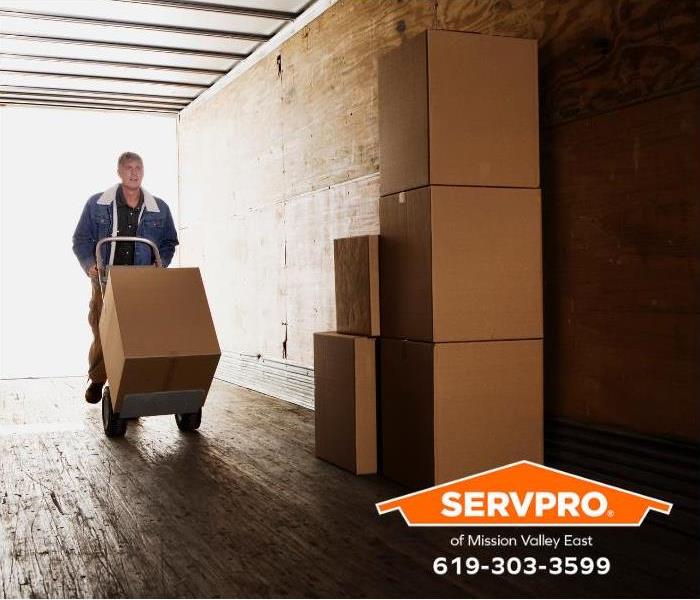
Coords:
pixel 110 195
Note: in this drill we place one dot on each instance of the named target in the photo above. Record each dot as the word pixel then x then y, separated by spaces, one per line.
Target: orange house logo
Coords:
pixel 523 493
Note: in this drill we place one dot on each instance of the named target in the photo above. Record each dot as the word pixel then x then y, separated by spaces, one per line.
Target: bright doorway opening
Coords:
pixel 51 162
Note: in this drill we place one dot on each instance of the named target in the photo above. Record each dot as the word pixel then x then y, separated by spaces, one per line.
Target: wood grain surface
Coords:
pixel 287 156
pixel 594 56
pixel 240 509
pixel 622 267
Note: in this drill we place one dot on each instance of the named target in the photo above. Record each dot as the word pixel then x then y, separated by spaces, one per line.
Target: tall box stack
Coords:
pixel 460 256
pixel 345 361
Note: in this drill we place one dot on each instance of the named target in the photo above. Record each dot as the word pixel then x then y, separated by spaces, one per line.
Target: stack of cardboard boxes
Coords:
pixel 345 361
pixel 455 276
pixel 460 256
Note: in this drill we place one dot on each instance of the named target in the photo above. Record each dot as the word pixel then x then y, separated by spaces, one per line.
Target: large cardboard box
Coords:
pixel 451 410
pixel 345 401
pixel 157 336
pixel 357 284
pixel 461 264
pixel 458 109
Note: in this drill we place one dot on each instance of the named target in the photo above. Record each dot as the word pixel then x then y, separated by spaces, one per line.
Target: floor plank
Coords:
pixel 241 508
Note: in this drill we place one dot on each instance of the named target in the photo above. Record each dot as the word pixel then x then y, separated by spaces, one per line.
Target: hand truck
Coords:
pixel 190 402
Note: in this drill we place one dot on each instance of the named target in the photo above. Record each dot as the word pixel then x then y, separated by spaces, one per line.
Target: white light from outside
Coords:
pixel 51 162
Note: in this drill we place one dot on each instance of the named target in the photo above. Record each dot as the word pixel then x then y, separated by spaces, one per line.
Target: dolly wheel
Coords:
pixel 189 421
pixel 113 425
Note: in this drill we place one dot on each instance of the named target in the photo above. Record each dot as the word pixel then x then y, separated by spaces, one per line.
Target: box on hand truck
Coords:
pixel 159 343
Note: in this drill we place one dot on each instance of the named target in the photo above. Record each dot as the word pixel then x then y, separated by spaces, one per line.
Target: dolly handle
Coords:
pixel 98 254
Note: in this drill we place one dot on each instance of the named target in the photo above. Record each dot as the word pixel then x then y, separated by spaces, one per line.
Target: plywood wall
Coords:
pixel 622 240
pixel 280 162
pixel 286 157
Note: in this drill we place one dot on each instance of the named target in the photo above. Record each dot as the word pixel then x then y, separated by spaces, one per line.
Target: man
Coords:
pixel 123 210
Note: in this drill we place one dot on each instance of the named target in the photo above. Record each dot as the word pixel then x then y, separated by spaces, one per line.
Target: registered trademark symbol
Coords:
pixel 611 513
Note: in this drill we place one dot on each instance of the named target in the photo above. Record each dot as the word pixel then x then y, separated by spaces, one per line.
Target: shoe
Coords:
pixel 94 392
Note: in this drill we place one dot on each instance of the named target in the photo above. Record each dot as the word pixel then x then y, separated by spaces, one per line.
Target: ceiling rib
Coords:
pixel 142 55
pixel 112 63
pixel 107 78
pixel 87 105
pixel 264 13
pixel 71 101
pixel 124 45
pixel 98 93
pixel 91 98
pixel 238 35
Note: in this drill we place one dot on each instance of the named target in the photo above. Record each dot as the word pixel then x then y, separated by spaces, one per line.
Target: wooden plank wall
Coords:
pixel 622 240
pixel 286 157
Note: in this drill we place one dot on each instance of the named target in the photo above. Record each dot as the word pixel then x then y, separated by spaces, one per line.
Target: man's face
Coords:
pixel 131 174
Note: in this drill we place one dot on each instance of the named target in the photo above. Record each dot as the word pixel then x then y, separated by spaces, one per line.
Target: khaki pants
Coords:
pixel 96 368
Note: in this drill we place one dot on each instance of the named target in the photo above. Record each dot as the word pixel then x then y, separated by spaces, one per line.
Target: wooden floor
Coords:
pixel 241 508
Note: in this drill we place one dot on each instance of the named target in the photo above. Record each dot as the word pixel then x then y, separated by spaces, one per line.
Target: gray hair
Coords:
pixel 126 156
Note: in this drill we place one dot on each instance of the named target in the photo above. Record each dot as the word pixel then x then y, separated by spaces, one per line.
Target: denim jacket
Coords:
pixel 95 223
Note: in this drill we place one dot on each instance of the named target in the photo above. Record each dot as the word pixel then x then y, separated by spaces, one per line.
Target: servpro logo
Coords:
pixel 524 493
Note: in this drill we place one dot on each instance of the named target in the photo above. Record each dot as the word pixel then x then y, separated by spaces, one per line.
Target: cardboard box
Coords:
pixel 357 284
pixel 458 109
pixel 461 264
pixel 451 410
pixel 157 336
pixel 345 401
